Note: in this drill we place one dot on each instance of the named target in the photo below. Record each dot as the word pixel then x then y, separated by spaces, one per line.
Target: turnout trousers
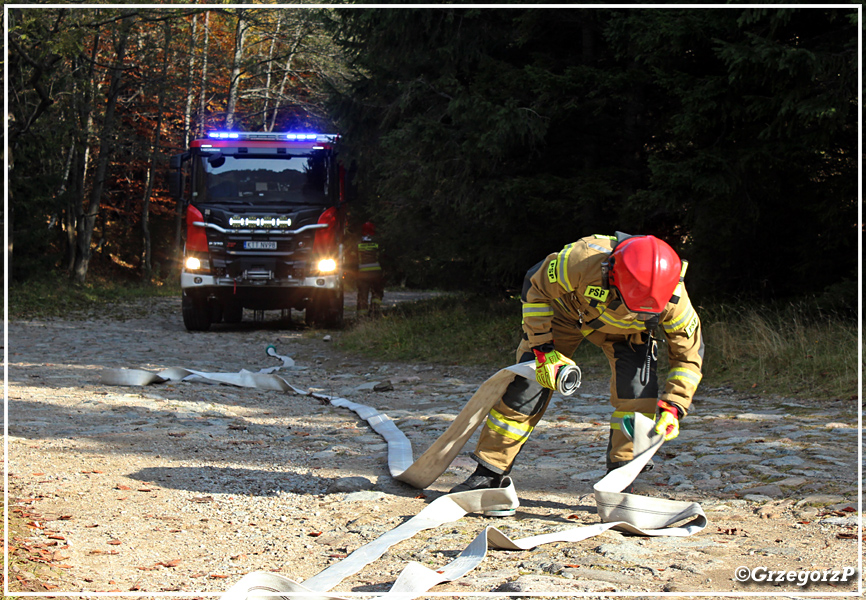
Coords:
pixel 371 291
pixel 633 388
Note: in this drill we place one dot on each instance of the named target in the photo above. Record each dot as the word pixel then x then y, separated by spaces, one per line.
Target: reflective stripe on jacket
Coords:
pixel 368 255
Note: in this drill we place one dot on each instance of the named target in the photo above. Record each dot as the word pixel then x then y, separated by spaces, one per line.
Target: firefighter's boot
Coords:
pixel 482 479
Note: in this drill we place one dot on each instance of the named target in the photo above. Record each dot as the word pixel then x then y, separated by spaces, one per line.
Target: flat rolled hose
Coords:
pixel 639 515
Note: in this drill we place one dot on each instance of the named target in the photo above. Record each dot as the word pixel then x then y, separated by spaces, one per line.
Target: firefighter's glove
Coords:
pixel 668 423
pixel 547 364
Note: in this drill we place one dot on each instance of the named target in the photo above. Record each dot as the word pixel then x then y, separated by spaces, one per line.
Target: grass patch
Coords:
pixel 794 350
pixel 452 329
pixel 54 295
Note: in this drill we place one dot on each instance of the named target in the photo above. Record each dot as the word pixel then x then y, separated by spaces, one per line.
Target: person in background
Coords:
pixel 369 279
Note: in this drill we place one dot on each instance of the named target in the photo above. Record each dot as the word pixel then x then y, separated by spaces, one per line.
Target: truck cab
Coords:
pixel 265 219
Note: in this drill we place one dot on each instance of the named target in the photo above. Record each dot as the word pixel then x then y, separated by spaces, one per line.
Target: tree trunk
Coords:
pixel 84 229
pixel 148 192
pixel 270 74
pixel 235 82
pixel 203 102
pixel 187 133
pixel 84 116
pixel 278 101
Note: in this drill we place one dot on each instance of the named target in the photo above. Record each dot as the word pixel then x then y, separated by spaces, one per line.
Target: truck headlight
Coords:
pixel 327 265
pixel 193 263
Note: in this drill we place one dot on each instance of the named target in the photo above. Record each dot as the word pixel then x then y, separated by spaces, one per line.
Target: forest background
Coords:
pixel 483 139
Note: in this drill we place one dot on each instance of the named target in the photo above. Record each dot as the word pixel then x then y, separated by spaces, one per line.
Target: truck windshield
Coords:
pixel 256 179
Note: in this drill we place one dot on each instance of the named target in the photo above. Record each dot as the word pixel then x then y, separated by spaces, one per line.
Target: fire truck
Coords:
pixel 265 219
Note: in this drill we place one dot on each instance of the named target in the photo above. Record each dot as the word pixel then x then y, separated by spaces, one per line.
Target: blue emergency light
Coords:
pixel 248 135
pixel 224 135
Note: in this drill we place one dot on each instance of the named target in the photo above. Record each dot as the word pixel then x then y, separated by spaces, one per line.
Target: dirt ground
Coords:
pixel 186 487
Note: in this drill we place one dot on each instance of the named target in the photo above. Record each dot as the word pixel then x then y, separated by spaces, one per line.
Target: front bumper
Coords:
pixel 191 281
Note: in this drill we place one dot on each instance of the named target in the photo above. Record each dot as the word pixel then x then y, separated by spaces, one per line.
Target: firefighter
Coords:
pixel 619 293
pixel 369 279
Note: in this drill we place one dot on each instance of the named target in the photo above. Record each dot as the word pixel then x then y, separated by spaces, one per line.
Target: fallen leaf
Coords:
pixel 122 487
pixel 114 542
pixel 314 534
pixel 218 576
pixel 171 563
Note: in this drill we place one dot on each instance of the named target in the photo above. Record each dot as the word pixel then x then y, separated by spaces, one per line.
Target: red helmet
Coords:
pixel 368 229
pixel 645 271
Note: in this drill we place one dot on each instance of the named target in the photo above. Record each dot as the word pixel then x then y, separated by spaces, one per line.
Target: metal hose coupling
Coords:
pixel 568 379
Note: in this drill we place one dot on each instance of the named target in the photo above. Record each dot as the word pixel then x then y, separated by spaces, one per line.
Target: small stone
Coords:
pixel 792 481
pixel 763 490
pixel 807 514
pixel 821 499
pixel 757 498
pixel 784 461
pixel 759 417
pixel 349 484
pixel 769 511
pixel 624 552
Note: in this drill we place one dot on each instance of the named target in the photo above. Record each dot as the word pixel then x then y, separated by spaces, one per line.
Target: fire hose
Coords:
pixel 640 515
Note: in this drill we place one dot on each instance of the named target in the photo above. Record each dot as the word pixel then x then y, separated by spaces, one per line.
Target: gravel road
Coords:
pixel 186 487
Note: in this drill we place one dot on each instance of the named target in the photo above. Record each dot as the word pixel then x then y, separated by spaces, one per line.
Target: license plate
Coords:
pixel 260 245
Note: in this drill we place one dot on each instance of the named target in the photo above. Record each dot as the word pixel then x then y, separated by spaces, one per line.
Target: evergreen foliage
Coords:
pixel 488 138
pixel 482 138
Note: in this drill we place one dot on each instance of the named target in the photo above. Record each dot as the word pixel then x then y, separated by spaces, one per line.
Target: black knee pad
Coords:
pixel 526 396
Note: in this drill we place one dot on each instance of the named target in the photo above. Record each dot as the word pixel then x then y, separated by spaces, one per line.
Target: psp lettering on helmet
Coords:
pixel 551 271
pixel 692 326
